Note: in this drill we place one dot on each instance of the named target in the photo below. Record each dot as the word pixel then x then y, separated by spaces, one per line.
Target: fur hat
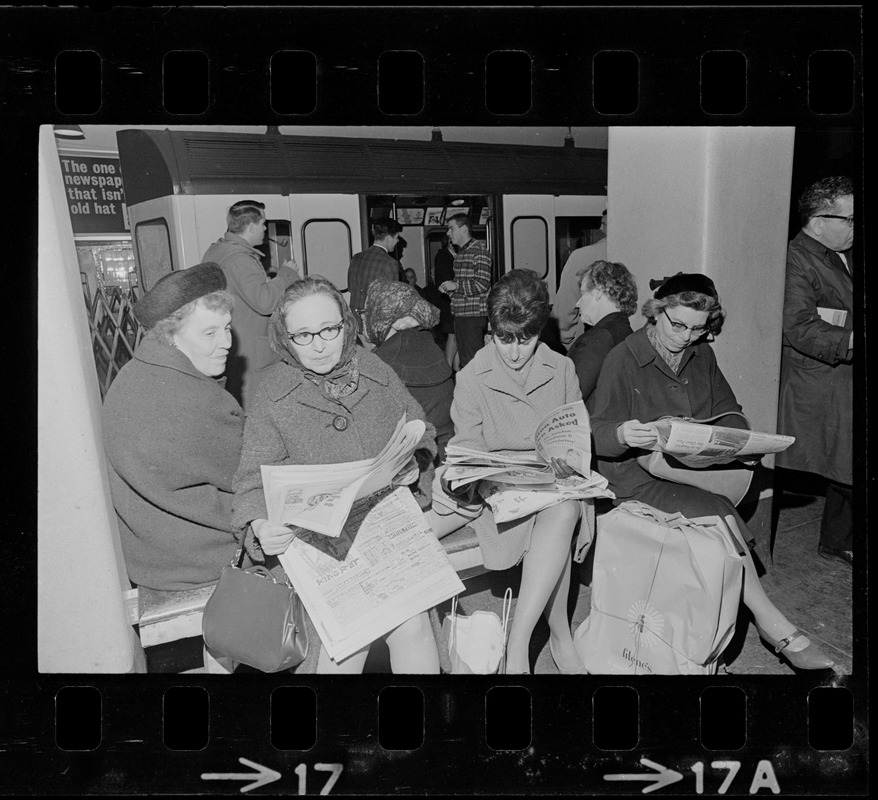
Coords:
pixel 176 289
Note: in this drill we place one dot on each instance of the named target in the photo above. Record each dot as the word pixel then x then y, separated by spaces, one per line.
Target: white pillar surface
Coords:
pixel 82 626
pixel 716 201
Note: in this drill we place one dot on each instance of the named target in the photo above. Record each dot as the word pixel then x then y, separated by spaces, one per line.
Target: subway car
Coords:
pixel 531 204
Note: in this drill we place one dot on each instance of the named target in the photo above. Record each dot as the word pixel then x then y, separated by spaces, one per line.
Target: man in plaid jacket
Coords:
pixel 374 263
pixel 469 289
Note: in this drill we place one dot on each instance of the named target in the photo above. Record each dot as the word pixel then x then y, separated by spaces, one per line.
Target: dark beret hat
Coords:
pixel 176 289
pixel 686 282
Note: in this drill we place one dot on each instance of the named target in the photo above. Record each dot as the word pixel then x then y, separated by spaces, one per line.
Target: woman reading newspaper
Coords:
pixel 329 401
pixel 667 368
pixel 500 398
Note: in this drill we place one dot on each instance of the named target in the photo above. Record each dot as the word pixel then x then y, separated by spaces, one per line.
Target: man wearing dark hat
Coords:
pixel 173 435
pixel 256 295
pixel 816 374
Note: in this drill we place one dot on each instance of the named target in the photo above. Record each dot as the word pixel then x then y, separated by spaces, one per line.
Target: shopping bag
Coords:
pixel 476 643
pixel 665 593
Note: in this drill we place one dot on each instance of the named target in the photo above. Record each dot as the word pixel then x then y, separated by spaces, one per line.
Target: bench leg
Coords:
pixel 218 665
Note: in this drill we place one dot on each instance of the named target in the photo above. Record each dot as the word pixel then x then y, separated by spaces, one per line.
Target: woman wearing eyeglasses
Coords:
pixel 667 368
pixel 328 401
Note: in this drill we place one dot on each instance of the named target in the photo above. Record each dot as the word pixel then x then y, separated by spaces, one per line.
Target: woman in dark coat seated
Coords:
pixel 173 435
pixel 399 322
pixel 329 401
pixel 667 368
pixel 608 296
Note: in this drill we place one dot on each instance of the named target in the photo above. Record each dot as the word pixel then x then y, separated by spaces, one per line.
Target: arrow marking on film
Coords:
pixel 263 775
pixel 662 776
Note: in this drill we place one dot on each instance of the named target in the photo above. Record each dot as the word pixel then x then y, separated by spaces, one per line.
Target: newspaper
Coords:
pixel 564 433
pixel 514 502
pixel 518 483
pixel 696 444
pixel 385 567
pixel 318 497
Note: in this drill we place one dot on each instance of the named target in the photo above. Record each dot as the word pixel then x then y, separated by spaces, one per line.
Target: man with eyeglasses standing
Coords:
pixel 816 392
pixel 256 295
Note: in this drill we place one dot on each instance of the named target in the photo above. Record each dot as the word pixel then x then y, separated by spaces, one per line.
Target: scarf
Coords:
pixel 671 359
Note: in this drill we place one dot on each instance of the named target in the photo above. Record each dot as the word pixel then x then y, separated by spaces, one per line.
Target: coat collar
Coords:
pixel 240 241
pixel 644 353
pixel 494 375
pixel 157 353
pixel 809 243
pixel 282 379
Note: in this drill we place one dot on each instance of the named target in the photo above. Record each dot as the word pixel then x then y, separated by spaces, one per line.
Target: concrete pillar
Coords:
pixel 716 201
pixel 82 625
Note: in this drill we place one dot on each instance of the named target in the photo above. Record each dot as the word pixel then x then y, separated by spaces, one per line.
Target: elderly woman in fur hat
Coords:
pixel 173 435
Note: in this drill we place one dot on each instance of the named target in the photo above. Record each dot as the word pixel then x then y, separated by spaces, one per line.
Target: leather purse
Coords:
pixel 254 619
pixel 729 480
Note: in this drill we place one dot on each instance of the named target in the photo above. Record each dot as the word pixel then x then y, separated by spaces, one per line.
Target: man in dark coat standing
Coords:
pixel 816 394
pixel 255 295
pixel 374 264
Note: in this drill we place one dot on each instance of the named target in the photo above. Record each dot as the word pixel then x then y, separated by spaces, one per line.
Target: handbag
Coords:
pixel 254 619
pixel 731 481
pixel 477 643
pixel 665 593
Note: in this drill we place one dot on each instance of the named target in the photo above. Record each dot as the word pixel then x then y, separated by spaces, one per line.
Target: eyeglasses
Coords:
pixel 849 220
pixel 679 327
pixel 327 334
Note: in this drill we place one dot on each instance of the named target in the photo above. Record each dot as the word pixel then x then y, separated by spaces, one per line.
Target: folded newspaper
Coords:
pixel 516 483
pixel 319 497
pixel 696 444
pixel 386 566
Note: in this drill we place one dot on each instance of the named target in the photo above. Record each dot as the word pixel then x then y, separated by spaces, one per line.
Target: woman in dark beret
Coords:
pixel 667 368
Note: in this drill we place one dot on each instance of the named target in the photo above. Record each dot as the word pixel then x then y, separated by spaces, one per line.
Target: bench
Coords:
pixel 169 616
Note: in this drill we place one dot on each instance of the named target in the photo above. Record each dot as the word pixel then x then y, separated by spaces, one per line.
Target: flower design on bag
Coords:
pixel 645 623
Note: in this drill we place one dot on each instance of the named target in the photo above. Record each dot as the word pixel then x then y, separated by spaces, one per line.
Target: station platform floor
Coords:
pixel 814 593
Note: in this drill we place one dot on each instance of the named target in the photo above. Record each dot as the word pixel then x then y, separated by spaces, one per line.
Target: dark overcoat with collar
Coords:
pixel 173 439
pixel 491 411
pixel 636 383
pixel 816 374
pixel 293 422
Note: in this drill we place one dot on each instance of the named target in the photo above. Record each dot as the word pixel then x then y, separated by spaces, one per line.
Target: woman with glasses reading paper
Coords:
pixel 667 368
pixel 328 401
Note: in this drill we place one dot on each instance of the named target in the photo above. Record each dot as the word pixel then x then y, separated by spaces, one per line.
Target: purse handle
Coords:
pixel 259 570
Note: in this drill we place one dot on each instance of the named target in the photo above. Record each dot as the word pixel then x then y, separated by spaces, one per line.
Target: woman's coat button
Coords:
pixel 340 423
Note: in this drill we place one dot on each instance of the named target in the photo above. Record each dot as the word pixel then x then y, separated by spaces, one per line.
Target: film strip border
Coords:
pixel 723 65
pixel 491 735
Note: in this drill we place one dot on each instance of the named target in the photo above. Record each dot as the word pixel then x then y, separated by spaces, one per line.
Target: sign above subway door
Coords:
pixel 95 197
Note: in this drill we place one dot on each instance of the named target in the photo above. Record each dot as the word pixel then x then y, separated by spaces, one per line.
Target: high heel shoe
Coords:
pixel 809 657
pixel 580 670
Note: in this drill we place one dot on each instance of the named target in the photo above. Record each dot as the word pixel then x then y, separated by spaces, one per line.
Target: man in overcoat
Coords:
pixel 256 295
pixel 816 394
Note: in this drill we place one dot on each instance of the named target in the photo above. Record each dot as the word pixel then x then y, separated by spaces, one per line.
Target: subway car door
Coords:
pixel 325 234
pixel 529 236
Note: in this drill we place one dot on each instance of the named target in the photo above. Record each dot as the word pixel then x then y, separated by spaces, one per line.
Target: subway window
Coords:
pixel 530 244
pixel 327 249
pixel 153 242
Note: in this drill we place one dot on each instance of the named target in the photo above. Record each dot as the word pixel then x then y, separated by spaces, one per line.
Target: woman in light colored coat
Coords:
pixel 501 396
pixel 328 401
